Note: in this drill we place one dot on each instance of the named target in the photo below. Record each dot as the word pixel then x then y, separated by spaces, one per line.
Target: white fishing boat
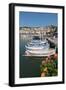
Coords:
pixel 38 47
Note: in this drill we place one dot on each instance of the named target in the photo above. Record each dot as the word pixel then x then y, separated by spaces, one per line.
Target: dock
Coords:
pixel 53 40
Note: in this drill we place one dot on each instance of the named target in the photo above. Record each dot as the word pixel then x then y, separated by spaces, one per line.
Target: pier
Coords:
pixel 54 41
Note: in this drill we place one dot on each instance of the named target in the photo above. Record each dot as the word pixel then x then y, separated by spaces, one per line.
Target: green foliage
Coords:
pixel 50 68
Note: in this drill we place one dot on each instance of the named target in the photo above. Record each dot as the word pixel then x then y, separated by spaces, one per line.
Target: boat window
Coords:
pixel 36 38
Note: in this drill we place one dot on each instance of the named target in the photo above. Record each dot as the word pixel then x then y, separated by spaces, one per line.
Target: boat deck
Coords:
pixel 48 53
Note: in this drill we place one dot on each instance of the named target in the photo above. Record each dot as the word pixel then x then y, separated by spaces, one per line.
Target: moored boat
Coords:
pixel 38 47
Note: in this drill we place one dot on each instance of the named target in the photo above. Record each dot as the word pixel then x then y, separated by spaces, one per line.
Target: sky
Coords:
pixel 34 19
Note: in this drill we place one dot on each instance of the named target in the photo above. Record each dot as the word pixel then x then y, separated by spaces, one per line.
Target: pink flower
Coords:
pixel 42 74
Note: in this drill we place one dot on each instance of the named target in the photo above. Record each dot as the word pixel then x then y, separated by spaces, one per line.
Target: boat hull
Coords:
pixel 40 52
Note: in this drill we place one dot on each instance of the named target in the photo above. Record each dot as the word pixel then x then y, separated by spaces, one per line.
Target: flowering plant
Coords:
pixel 49 66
